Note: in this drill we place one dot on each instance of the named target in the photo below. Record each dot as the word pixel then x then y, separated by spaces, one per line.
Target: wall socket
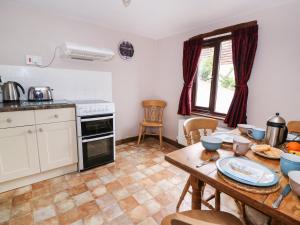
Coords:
pixel 33 60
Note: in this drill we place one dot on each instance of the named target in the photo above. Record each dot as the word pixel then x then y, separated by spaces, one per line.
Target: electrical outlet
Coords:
pixel 33 60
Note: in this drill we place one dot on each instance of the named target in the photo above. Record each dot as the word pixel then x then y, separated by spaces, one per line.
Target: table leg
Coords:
pixel 217 200
pixel 197 187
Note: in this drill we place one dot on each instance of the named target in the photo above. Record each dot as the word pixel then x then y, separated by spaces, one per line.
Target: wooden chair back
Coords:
pixel 153 110
pixel 192 128
pixel 294 126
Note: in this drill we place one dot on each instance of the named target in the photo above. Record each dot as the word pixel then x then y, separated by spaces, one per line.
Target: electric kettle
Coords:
pixel 10 91
pixel 277 131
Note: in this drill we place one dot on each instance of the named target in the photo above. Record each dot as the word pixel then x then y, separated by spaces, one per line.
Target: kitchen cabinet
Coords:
pixel 18 153
pixel 36 141
pixel 57 144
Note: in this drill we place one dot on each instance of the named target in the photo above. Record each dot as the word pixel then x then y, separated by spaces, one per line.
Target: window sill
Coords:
pixel 208 115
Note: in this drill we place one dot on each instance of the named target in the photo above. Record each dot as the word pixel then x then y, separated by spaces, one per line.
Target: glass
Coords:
pixel 98 152
pixel 204 76
pixel 97 126
pixel 226 80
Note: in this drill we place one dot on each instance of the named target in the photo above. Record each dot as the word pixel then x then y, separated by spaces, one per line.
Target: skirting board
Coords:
pixel 135 138
pixel 10 185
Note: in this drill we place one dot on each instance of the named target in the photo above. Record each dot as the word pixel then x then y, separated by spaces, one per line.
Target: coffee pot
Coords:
pixel 10 91
pixel 277 131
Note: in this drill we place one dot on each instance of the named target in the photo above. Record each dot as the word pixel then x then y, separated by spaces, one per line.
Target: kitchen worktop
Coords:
pixel 25 105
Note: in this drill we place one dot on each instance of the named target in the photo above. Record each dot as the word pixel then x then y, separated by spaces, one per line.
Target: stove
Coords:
pixel 95 133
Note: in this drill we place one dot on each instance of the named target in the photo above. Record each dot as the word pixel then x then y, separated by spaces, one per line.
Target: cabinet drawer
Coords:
pixel 16 119
pixel 54 115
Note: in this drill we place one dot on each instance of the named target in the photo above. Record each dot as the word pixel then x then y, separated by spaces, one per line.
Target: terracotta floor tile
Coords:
pixel 60 196
pixel 75 190
pixel 105 200
pixel 164 199
pixel 128 203
pixel 92 184
pixel 43 213
pixel 135 187
pixel 142 196
pixel 120 194
pixel 4 215
pixel 64 206
pixel 75 181
pixel 98 191
pixel 21 209
pixel 23 190
pixel 88 209
pixel 148 221
pixel 107 178
pixel 96 219
pixel 126 180
pixel 138 214
pixel 111 212
pixel 39 185
pixel 20 199
pixel 59 187
pixel 69 217
pixel 89 176
pixel 51 221
pixel 123 219
pixel 41 192
pixel 42 202
pixel 83 198
pixel 112 186
pixel 22 220
pixel 152 206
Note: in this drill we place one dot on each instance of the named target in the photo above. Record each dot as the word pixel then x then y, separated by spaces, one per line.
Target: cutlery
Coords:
pixel 213 158
pixel 284 193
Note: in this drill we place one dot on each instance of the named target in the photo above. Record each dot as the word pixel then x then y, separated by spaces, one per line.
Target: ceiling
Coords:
pixel 150 18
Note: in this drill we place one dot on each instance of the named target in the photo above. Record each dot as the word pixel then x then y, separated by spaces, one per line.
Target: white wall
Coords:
pixel 274 83
pixel 25 31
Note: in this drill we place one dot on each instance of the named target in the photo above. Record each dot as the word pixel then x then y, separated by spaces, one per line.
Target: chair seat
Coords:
pixel 202 217
pixel 151 124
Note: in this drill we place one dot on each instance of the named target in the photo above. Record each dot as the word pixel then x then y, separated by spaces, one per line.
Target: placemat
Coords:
pixel 257 190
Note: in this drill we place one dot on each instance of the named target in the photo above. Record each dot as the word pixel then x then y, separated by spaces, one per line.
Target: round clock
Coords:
pixel 126 50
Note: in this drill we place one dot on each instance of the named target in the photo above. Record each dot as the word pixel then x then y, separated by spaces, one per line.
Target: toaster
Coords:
pixel 40 94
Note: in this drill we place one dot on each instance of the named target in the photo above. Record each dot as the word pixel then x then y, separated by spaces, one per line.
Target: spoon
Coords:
pixel 213 158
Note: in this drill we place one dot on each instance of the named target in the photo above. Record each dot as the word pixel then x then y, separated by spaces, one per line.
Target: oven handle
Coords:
pixel 97 118
pixel 97 139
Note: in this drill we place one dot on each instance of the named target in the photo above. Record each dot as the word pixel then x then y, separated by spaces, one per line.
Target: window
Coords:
pixel 214 84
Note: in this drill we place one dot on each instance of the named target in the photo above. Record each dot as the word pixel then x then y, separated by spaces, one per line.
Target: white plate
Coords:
pixel 226 137
pixel 247 171
pixel 263 154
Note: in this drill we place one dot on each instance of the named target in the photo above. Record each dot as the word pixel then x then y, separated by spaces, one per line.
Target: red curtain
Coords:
pixel 244 44
pixel 191 54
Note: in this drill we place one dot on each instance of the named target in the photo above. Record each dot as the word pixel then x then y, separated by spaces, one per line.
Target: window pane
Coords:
pixel 204 76
pixel 226 81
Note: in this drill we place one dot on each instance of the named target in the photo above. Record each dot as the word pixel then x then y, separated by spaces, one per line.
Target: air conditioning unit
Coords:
pixel 75 51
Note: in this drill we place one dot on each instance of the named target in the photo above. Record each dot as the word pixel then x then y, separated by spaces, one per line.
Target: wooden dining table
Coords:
pixel 189 158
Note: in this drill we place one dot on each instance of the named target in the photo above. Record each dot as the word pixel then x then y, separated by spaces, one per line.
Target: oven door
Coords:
pixel 96 151
pixel 96 125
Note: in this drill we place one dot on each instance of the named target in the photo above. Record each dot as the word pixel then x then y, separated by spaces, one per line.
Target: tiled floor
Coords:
pixel 139 188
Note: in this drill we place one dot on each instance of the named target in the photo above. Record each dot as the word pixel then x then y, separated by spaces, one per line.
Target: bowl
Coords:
pixel 295 181
pixel 211 143
pixel 289 162
pixel 243 128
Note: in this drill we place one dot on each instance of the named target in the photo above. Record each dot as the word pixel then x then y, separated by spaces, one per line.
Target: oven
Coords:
pixel 96 140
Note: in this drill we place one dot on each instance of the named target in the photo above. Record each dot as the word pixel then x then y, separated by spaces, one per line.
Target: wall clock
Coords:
pixel 126 50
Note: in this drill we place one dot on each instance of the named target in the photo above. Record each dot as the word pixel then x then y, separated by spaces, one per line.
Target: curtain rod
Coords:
pixel 225 30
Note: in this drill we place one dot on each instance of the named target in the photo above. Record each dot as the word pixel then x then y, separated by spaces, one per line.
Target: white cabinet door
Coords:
pixel 18 153
pixel 57 144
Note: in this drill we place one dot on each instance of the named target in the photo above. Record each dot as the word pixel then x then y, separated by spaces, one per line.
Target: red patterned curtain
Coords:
pixel 191 54
pixel 244 44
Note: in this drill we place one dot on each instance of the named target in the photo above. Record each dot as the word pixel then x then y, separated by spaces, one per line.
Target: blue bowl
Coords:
pixel 211 143
pixel 289 162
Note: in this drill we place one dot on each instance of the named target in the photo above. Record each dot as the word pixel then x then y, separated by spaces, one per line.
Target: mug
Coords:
pixel 257 133
pixel 240 145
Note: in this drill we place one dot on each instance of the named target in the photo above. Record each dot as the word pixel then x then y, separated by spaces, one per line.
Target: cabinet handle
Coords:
pixel 8 120
pixel 56 116
pixel 40 130
pixel 29 131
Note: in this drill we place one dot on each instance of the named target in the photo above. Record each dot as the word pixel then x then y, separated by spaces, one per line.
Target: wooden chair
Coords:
pixel 153 118
pixel 192 129
pixel 294 126
pixel 201 217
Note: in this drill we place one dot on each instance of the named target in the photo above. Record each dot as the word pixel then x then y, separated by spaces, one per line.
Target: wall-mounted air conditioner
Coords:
pixel 82 52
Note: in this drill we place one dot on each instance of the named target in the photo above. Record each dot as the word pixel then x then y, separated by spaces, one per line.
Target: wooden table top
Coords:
pixel 187 158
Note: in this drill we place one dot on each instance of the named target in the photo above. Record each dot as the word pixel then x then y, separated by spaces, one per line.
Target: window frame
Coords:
pixel 216 44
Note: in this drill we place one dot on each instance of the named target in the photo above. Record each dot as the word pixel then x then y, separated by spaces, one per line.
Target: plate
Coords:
pixel 226 137
pixel 265 155
pixel 247 171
